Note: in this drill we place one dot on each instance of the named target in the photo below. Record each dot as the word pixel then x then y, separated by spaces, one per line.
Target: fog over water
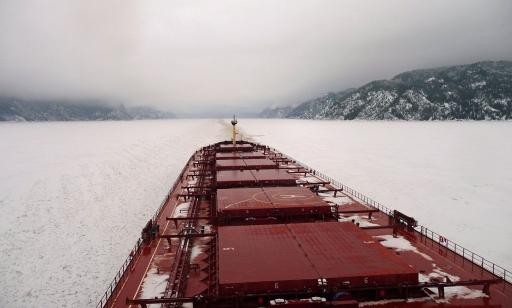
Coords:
pixel 211 57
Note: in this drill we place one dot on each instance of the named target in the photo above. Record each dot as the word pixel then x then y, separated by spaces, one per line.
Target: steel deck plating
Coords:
pixel 229 147
pixel 269 201
pixel 250 178
pixel 287 257
pixel 245 164
pixel 239 155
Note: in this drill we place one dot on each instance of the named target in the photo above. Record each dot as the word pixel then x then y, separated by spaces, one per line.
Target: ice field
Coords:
pixel 75 195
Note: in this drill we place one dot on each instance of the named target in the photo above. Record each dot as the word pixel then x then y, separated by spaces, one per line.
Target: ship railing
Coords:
pixel 182 257
pixel 465 255
pixel 113 287
pixel 174 185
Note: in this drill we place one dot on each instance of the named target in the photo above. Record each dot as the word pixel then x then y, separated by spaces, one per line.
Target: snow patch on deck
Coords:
pixel 196 251
pixel 289 166
pixel 391 301
pixel 399 243
pixel 181 210
pixel 208 228
pixel 338 200
pixel 460 292
pixel 311 179
pixel 154 285
pixel 362 221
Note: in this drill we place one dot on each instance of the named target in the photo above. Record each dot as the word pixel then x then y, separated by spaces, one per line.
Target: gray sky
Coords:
pixel 188 55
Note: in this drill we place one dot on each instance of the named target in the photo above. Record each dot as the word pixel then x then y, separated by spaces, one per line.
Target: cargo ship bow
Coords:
pixel 245 225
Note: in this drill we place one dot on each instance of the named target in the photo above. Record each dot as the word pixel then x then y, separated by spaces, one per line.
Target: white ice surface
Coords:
pixel 75 195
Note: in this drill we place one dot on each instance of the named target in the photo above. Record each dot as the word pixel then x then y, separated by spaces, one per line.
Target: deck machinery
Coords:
pixel 246 226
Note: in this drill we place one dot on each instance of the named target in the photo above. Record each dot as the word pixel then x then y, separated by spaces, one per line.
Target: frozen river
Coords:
pixel 74 195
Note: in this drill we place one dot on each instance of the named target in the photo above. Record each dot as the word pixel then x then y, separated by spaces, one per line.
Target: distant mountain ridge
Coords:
pixel 12 109
pixel 479 91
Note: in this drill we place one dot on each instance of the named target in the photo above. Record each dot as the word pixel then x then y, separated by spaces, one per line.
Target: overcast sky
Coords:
pixel 214 55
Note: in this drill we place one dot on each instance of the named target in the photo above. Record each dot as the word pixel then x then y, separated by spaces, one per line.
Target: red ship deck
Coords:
pixel 245 164
pixel 269 201
pixel 248 178
pixel 371 257
pixel 284 258
pixel 239 155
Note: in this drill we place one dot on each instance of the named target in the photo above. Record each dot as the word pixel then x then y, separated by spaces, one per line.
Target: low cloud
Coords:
pixel 190 56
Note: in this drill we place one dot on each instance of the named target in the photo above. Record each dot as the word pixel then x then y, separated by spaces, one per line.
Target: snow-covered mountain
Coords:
pixel 20 110
pixel 476 91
